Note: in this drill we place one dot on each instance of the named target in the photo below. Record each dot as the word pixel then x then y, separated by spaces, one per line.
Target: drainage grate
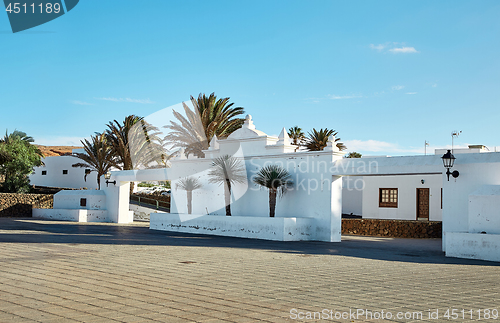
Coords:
pixel 187 262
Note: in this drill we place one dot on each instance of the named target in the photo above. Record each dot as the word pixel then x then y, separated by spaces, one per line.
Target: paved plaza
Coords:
pixel 76 272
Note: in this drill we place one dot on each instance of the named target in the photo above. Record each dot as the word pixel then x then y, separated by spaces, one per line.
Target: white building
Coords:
pixel 58 172
pixel 412 196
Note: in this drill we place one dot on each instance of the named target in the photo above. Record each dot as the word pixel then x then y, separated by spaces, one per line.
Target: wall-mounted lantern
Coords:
pixel 422 181
pixel 108 176
pixel 448 161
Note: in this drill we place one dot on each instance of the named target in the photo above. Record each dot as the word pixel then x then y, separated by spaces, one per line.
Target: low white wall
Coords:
pixel 141 212
pixel 407 196
pixel 96 200
pixel 280 229
pixel 72 215
pixel 473 246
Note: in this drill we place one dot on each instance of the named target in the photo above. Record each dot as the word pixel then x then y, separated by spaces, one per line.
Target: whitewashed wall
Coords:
pixel 55 177
pixel 352 195
pixel 475 170
pixel 407 196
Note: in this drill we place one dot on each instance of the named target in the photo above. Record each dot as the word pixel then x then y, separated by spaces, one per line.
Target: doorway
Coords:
pixel 423 204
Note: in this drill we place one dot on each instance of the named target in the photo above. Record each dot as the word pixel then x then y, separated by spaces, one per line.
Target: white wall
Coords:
pixel 407 196
pixel 352 195
pixel 96 200
pixel 311 195
pixel 484 210
pixel 475 170
pixel 54 167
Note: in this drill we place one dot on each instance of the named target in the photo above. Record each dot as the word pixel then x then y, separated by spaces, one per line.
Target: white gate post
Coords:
pixel 336 209
pixel 117 200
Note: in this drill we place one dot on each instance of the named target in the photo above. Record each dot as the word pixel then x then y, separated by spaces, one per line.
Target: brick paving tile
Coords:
pixel 78 272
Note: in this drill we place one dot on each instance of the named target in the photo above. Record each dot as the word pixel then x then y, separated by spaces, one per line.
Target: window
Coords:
pixel 441 198
pixel 44 172
pixel 65 172
pixel 388 197
pixel 83 202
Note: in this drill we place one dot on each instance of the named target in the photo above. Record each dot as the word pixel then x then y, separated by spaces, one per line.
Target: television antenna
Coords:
pixel 453 135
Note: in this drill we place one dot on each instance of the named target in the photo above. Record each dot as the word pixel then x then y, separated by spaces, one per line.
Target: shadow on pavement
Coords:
pixel 27 230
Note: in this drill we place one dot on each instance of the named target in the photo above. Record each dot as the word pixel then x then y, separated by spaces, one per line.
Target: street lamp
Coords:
pixel 108 176
pixel 448 161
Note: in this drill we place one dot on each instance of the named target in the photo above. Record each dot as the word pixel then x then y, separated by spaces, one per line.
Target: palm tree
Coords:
pixel 297 135
pixel 189 184
pixel 135 143
pixel 98 156
pixel 211 117
pixel 21 135
pixel 317 140
pixel 277 180
pixel 228 171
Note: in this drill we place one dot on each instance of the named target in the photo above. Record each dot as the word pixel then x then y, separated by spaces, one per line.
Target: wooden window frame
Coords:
pixel 387 204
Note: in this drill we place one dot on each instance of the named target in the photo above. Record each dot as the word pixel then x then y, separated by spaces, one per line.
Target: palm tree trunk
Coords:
pixel 98 182
pixel 132 187
pixel 272 202
pixel 227 196
pixel 189 200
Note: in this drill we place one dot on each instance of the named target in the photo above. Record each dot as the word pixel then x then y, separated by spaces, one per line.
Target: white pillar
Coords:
pixel 336 209
pixel 117 201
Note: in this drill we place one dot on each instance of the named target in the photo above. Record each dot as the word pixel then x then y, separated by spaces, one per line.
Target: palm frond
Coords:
pixel 188 184
pixel 227 168
pixel 210 117
pixel 274 177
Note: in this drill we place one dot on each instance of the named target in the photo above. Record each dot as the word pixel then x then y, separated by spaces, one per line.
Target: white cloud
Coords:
pixel 411 92
pixel 403 50
pixel 342 97
pixel 80 102
pixel 398 87
pixel 378 47
pixel 394 47
pixel 147 101
pixel 434 85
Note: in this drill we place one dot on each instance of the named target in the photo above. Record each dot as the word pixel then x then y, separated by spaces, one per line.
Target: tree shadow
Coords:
pixel 29 230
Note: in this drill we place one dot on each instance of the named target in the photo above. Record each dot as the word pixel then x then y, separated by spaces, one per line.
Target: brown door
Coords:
pixel 422 204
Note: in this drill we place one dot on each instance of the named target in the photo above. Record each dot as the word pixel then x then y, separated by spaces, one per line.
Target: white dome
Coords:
pixel 247 130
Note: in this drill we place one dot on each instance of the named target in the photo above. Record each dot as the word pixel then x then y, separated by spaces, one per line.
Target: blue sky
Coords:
pixel 386 74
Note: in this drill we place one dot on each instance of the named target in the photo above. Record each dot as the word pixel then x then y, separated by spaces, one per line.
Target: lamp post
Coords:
pixel 107 176
pixel 448 162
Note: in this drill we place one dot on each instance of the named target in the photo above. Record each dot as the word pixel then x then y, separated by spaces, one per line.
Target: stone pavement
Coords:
pixel 70 272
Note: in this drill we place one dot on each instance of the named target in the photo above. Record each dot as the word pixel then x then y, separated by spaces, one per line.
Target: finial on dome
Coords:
pixel 248 122
pixel 331 145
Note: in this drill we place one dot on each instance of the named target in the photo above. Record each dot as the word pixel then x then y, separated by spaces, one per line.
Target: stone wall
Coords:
pixel 21 205
pixel 392 228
